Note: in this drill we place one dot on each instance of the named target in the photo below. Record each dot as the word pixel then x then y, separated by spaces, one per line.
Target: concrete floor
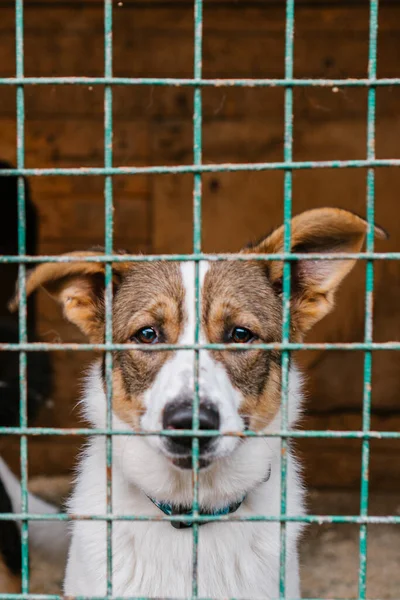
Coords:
pixel 329 553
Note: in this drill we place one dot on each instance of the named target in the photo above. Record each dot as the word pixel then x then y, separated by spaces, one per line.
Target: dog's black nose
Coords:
pixel 180 416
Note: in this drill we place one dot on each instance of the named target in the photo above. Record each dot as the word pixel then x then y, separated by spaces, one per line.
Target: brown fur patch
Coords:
pixel 260 411
pixel 240 295
pixel 126 405
pixel 151 295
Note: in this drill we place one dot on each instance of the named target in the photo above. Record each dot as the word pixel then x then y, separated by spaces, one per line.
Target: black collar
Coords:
pixel 173 509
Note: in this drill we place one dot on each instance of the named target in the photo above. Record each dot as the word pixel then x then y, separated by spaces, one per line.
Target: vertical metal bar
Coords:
pixel 197 190
pixel 287 215
pixel 369 291
pixel 19 48
pixel 108 216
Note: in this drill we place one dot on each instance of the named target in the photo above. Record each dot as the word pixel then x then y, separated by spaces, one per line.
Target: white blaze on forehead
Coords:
pixel 188 271
pixel 175 380
pixel 214 382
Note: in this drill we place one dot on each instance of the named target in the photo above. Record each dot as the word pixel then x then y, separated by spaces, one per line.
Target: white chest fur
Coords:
pixel 154 560
pixel 151 559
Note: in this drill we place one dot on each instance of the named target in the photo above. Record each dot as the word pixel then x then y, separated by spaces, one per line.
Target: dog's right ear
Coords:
pixel 314 282
pixel 78 287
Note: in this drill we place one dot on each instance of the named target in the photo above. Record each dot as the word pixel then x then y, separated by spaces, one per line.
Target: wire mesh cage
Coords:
pixel 198 83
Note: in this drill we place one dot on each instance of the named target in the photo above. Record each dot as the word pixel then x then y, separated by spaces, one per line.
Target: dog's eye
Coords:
pixel 146 335
pixel 241 335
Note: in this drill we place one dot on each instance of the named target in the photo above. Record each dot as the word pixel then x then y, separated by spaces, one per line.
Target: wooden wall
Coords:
pixel 153 126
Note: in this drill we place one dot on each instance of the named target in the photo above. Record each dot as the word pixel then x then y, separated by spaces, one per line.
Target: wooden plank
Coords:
pixel 82 218
pixel 247 141
pixel 243 15
pixel 151 42
pixel 71 244
pixel 72 208
pixel 155 104
pixel 68 142
pixel 237 5
pixel 53 187
pixel 337 463
pixel 80 143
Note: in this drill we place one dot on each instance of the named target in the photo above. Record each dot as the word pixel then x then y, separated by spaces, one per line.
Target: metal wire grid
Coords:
pixel 288 165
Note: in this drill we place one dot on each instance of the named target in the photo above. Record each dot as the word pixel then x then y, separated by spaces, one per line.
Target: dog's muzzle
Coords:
pixel 178 416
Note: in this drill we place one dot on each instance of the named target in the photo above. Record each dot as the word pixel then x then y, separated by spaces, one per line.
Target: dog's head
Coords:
pixel 154 302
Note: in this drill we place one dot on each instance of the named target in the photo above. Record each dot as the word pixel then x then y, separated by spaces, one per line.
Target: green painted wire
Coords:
pixel 19 48
pixel 287 219
pixel 315 519
pixel 197 228
pixel 295 434
pixel 369 291
pixel 199 82
pixel 134 258
pixel 204 168
pixel 108 243
pixel 197 169
pixel 290 346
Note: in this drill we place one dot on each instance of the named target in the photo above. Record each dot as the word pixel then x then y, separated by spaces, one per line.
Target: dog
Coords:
pixel 39 377
pixel 10 547
pixel 50 539
pixel 39 387
pixel 239 390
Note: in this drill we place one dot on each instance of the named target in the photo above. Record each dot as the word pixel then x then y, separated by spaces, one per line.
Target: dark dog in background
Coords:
pixel 10 547
pixel 39 372
pixel 39 388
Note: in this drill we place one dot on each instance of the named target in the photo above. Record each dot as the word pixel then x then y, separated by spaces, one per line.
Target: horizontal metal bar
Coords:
pixel 4 596
pixel 74 347
pixel 191 82
pixel 135 258
pixel 85 431
pixel 203 518
pixel 204 168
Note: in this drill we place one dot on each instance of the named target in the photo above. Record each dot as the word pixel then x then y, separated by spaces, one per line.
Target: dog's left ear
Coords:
pixel 314 282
